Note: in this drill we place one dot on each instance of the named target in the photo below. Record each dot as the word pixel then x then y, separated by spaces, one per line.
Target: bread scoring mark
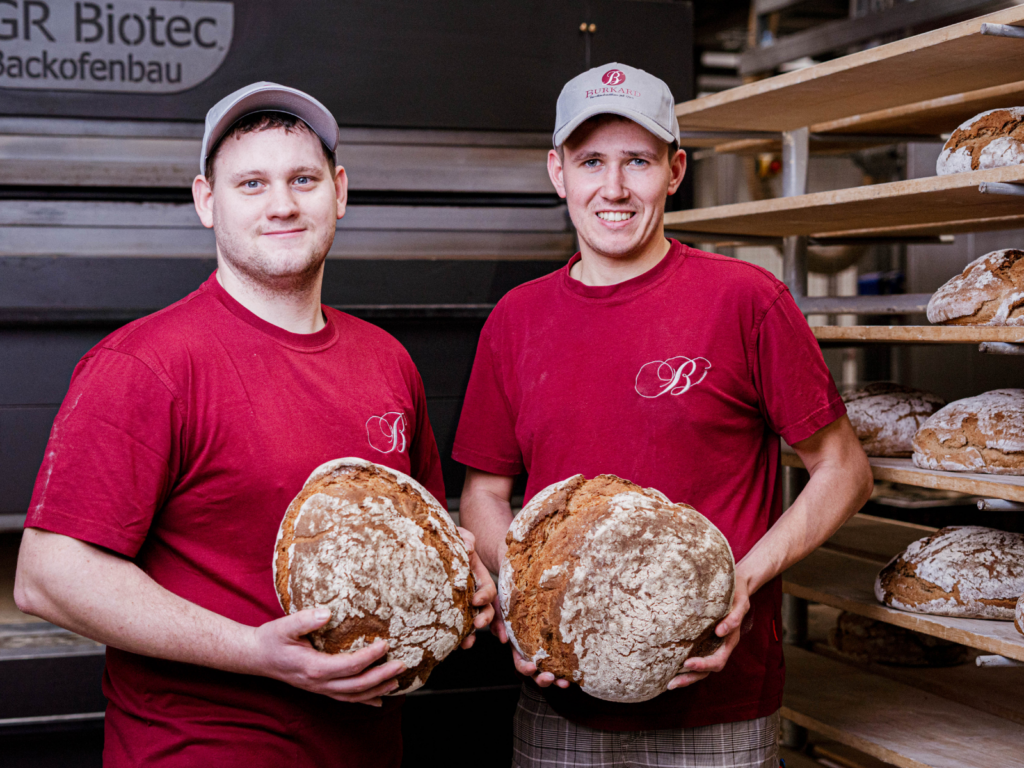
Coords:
pixel 982 434
pixel 377 549
pixel 616 587
pixel 989 291
pixel 963 571
pixel 886 416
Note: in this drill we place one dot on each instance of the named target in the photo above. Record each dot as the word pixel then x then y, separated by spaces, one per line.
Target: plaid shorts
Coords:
pixel 545 739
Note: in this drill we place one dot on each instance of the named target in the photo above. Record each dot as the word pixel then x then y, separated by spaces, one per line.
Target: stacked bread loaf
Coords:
pixel 963 571
pixel 376 548
pixel 613 586
pixel 990 291
pixel 983 434
pixel 886 416
pixel 875 641
pixel 992 139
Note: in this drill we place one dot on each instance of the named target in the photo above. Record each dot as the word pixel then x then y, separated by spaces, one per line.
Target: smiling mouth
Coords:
pixel 285 232
pixel 615 215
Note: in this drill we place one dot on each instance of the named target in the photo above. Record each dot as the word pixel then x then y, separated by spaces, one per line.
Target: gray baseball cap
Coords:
pixel 617 89
pixel 268 97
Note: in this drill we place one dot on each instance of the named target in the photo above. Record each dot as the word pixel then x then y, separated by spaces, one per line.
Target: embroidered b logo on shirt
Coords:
pixel 386 433
pixel 674 376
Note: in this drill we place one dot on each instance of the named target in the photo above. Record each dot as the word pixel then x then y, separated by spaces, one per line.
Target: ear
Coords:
pixel 341 189
pixel 678 167
pixel 202 196
pixel 555 173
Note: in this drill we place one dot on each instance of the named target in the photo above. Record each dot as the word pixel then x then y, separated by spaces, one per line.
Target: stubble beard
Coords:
pixel 258 269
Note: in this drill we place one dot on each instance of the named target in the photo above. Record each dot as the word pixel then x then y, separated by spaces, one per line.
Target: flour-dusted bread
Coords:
pixel 612 586
pixel 886 416
pixel 982 434
pixel 990 291
pixel 992 139
pixel 373 546
pixel 1018 616
pixel 963 571
pixel 879 643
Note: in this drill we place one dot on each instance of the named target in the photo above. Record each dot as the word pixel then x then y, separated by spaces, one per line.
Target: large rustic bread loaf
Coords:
pixel 1018 617
pixel 963 571
pixel 375 547
pixel 992 139
pixel 990 291
pixel 875 641
pixel 886 416
pixel 612 586
pixel 982 434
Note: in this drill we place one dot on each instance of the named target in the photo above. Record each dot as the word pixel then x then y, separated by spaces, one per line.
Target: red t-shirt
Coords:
pixel 182 440
pixel 681 379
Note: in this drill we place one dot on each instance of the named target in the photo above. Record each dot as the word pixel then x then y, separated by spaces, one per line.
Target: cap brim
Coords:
pixel 564 132
pixel 278 99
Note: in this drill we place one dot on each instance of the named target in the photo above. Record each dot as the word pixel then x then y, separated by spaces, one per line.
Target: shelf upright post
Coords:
pixel 795 156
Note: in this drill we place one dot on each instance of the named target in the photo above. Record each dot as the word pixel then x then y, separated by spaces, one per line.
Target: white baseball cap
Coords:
pixel 268 97
pixel 617 89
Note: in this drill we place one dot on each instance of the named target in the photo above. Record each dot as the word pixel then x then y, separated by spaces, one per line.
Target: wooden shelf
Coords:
pixel 930 206
pixel 926 119
pixel 903 471
pixel 918 334
pixel 847 582
pixel 955 59
pixel 894 722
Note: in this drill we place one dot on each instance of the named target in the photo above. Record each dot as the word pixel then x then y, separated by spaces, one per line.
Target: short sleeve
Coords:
pixel 798 396
pixel 486 437
pixel 113 455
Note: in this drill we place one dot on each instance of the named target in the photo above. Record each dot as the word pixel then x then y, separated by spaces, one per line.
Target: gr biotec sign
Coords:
pixel 160 46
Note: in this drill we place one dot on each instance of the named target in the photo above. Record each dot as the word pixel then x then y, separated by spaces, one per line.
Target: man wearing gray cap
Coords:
pixel 181 442
pixel 675 369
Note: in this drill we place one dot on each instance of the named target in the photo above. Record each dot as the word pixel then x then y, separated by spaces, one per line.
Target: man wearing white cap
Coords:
pixel 675 369
pixel 182 440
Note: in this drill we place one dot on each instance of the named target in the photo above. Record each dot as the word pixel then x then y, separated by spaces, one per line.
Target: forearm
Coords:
pixel 486 510
pixel 109 599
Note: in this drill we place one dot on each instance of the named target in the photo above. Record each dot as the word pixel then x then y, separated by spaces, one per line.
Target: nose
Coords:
pixel 281 202
pixel 614 183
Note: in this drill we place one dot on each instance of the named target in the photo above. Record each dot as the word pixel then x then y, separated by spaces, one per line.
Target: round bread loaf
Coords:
pixel 990 291
pixel 886 416
pixel 875 641
pixel 992 139
pixel 964 571
pixel 612 586
pixel 1018 617
pixel 373 546
pixel 982 434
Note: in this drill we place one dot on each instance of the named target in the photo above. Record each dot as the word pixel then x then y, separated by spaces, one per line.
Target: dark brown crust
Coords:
pixel 983 131
pixel 864 639
pixel 354 483
pixel 1009 271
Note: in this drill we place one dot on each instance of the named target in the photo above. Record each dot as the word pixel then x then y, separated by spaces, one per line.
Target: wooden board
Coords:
pixel 847 583
pixel 924 118
pixel 951 60
pixel 904 471
pixel 875 538
pixel 917 334
pixel 929 206
pixel 995 690
pixel 895 722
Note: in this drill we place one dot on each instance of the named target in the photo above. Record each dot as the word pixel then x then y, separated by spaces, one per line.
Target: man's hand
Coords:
pixel 699 667
pixel 486 594
pixel 281 651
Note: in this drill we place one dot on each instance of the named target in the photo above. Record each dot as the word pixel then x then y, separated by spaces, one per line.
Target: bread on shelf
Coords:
pixel 886 416
pixel 992 139
pixel 961 571
pixel 983 434
pixel 865 639
pixel 990 291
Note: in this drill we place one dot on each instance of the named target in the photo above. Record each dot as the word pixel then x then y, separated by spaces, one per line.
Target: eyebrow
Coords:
pixel 626 153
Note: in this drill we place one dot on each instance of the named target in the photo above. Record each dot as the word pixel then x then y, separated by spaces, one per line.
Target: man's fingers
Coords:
pixel 376 677
pixel 468 538
pixel 347 664
pixel 498 623
pixel 468 640
pixel 685 679
pixel 295 625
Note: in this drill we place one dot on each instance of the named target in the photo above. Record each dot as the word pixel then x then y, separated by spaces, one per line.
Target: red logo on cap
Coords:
pixel 613 77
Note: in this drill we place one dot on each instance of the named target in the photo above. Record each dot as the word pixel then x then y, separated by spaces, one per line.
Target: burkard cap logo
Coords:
pixel 614 77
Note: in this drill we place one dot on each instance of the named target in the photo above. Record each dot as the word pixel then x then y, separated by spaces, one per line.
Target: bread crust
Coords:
pixel 377 549
pixel 612 586
pixel 886 416
pixel 1018 616
pixel 962 571
pixel 990 291
pixel 991 139
pixel 872 641
pixel 983 434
